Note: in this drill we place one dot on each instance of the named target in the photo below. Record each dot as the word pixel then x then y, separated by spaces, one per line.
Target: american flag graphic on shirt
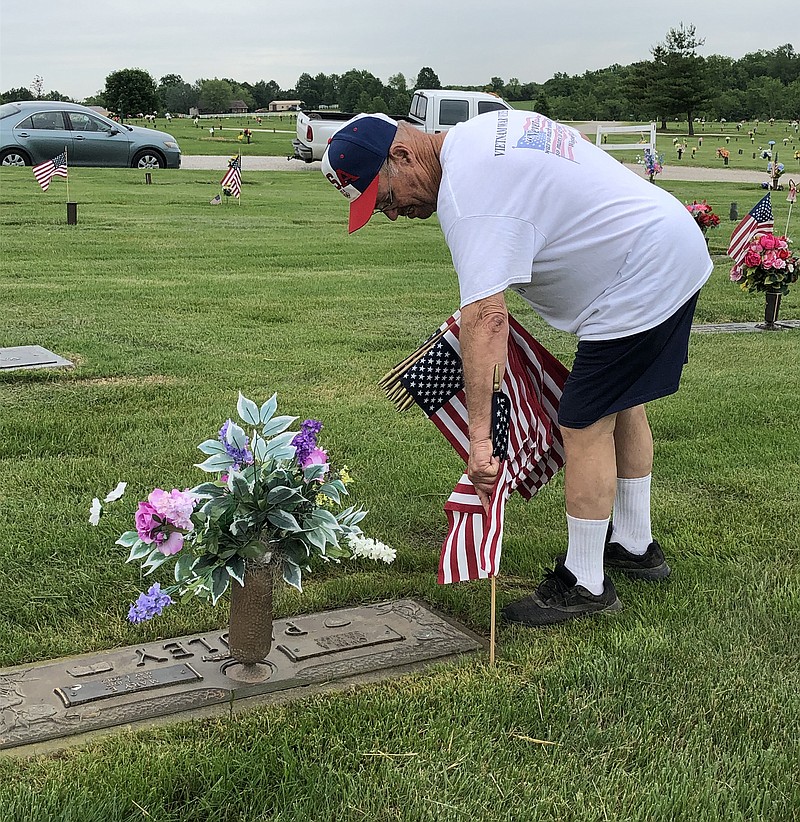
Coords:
pixel 44 172
pixel 533 381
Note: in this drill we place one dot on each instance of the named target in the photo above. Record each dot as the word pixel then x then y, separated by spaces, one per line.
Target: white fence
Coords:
pixel 644 130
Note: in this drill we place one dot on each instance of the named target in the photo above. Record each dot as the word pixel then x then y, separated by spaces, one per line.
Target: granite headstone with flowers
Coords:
pixel 273 504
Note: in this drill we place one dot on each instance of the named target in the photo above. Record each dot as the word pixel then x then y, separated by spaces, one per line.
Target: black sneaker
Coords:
pixel 650 566
pixel 559 598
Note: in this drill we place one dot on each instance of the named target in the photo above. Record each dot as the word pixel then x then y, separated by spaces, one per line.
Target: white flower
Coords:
pixel 117 492
pixel 369 548
pixel 94 511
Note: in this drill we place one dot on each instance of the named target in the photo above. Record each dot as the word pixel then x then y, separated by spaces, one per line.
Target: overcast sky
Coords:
pixel 74 45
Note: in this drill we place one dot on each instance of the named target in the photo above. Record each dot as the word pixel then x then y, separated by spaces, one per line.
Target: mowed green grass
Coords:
pixel 272 137
pixel 682 707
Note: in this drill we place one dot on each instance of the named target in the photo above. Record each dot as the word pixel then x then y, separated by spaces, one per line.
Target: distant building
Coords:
pixel 238 107
pixel 285 105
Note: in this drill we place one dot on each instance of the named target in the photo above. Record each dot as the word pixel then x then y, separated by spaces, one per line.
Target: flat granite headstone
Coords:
pixel 132 686
pixel 741 328
pixel 30 356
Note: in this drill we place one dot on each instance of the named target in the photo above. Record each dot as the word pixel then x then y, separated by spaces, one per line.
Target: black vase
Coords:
pixel 771 309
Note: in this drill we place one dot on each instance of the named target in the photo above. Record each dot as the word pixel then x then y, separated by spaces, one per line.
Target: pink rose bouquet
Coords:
pixel 703 215
pixel 767 265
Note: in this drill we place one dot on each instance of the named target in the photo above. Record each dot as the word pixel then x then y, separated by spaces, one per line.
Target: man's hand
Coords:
pixel 483 469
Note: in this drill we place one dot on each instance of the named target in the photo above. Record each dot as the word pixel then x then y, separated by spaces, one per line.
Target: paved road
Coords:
pixel 671 172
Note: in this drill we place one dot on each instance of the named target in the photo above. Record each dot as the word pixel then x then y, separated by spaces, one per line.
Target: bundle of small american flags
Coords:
pixel 432 378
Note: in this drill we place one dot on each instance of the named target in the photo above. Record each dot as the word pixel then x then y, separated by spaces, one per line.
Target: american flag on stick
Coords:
pixel 233 176
pixel 432 378
pixel 759 219
pixel 44 172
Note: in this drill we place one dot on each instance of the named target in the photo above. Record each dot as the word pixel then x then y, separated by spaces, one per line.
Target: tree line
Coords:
pixel 677 82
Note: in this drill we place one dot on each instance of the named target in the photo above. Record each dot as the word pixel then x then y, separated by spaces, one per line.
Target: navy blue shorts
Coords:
pixel 612 375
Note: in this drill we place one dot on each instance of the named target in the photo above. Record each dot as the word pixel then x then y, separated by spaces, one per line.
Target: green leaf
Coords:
pixel 183 567
pixel 128 539
pixel 276 425
pixel 236 436
pixel 154 561
pixel 139 550
pixel 280 441
pixel 330 491
pixel 283 520
pixel 217 462
pixel 209 489
pixel 259 448
pixel 316 538
pixel 280 494
pixel 292 575
pixel 325 517
pixel 211 447
pixel 219 583
pixel 314 472
pixel 247 410
pixel 235 568
pixel 268 409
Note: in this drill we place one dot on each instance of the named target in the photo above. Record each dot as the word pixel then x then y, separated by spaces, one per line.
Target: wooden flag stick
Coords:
pixel 66 163
pixel 492 624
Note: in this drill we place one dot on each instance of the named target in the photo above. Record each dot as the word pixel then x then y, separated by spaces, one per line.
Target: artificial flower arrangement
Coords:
pixel 275 498
pixel 768 265
pixel 703 215
pixel 653 163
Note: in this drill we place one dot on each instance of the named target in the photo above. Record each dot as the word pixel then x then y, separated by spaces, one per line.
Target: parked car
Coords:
pixel 33 132
pixel 432 110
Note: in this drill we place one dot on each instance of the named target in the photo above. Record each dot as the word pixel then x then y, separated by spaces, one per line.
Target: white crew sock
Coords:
pixel 632 514
pixel 587 539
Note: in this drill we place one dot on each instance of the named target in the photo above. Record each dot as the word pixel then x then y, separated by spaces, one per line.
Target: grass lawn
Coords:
pixel 682 707
pixel 272 137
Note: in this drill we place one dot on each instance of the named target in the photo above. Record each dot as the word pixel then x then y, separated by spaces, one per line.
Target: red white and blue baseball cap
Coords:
pixel 353 159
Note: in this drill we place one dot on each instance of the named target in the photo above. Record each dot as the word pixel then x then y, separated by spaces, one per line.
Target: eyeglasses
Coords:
pixel 390 202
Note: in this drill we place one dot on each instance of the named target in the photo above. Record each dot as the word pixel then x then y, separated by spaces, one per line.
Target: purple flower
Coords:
pixel 306 441
pixel 147 522
pixel 240 456
pixel 149 605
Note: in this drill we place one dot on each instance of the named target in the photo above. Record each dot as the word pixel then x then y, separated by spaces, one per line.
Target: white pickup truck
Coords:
pixel 432 110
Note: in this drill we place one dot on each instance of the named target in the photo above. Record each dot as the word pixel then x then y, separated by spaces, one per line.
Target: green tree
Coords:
pixel 542 104
pixel 676 80
pixel 427 78
pixel 265 93
pixel 175 95
pixel 131 91
pixel 215 96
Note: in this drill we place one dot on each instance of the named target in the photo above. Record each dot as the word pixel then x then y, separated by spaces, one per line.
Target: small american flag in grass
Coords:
pixel 233 177
pixel 44 172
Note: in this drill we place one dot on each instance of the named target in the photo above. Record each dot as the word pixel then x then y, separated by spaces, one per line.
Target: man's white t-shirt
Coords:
pixel 595 249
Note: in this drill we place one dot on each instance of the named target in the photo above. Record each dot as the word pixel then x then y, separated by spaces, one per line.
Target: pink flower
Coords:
pixel 778 263
pixel 175 507
pixel 768 241
pixel 316 457
pixel 768 260
pixel 752 259
pixel 147 522
pixel 736 274
pixel 172 544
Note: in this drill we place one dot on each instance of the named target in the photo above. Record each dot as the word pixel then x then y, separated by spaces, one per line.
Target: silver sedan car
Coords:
pixel 36 131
